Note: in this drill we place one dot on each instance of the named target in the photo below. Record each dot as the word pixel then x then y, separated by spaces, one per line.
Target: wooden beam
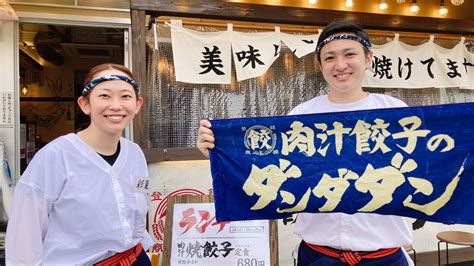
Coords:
pixel 140 125
pixel 47 99
pixel 218 9
pixel 28 62
pixel 305 29
pixel 173 154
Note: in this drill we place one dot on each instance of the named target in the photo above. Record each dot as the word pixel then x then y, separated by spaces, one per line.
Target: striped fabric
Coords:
pixel 94 82
pixel 126 258
pixel 344 36
pixel 352 257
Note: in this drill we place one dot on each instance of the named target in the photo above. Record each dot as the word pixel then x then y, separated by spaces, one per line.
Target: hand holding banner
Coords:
pixel 414 162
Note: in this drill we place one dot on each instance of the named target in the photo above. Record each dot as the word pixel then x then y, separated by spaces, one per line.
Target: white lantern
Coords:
pixel 401 1
pixel 457 2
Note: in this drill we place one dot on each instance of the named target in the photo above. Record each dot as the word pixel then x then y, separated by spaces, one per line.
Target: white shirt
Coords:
pixel 360 231
pixel 71 207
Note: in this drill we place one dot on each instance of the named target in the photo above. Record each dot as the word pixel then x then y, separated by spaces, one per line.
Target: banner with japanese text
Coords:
pixel 205 57
pixel 414 162
pixel 399 65
pixel 201 57
pixel 198 239
pixel 254 53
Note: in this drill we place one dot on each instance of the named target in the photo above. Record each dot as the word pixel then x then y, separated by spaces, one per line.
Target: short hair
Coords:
pixel 343 26
pixel 99 68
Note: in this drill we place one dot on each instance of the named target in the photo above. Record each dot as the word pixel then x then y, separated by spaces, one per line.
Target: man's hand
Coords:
pixel 205 140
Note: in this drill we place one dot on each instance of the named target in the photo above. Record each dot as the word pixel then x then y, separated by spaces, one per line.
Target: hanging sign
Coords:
pixel 399 65
pixel 201 57
pixel 204 57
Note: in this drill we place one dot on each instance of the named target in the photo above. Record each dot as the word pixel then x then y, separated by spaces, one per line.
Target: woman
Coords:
pixel 82 199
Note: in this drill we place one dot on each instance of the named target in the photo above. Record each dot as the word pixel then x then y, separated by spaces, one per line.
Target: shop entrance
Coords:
pixel 54 60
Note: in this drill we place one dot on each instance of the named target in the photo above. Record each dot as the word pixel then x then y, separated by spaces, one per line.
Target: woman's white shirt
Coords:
pixel 71 207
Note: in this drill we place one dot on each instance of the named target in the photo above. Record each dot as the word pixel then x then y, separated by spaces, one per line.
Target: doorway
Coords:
pixel 53 61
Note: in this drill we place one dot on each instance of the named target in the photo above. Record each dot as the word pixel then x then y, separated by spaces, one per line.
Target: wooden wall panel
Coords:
pixel 218 9
pixel 140 125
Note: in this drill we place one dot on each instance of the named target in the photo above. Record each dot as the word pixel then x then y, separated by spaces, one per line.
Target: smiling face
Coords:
pixel 343 64
pixel 111 105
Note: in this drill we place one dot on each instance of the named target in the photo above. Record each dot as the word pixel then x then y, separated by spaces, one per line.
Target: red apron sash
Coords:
pixel 352 257
pixel 126 258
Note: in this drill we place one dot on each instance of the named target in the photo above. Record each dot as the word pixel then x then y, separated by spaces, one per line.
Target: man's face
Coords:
pixel 343 64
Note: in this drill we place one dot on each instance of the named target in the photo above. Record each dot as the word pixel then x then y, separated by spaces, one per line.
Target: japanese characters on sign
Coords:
pixel 198 239
pixel 205 57
pixel 159 198
pixel 413 162
pixel 201 57
pixel 6 108
pixel 254 53
pixel 398 65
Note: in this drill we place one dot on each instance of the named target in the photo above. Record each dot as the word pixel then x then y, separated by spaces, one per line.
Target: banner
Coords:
pixel 399 65
pixel 204 57
pixel 254 53
pixel 201 57
pixel 300 45
pixel 415 162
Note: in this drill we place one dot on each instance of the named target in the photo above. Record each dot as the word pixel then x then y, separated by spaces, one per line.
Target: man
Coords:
pixel 344 54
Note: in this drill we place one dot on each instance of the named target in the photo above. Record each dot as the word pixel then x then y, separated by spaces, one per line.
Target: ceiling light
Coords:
pixel 443 11
pixel 457 2
pixel 414 8
pixel 348 3
pixel 312 1
pixel 401 1
pixel 24 90
pixel 383 5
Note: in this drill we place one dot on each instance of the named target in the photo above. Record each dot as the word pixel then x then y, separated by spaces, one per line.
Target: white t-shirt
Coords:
pixel 360 231
pixel 71 207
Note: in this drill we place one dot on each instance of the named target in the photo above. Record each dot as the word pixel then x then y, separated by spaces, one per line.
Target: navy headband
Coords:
pixel 94 82
pixel 344 36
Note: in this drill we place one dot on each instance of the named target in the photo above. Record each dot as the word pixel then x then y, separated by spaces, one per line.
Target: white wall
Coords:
pixel 9 81
pixel 424 239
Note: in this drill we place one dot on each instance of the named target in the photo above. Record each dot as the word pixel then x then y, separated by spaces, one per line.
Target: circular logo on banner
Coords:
pixel 260 140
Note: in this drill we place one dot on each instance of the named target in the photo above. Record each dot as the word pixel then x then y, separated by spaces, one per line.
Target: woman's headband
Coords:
pixel 344 36
pixel 98 80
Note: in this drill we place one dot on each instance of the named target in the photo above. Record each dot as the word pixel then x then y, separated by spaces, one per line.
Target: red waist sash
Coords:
pixel 352 257
pixel 126 258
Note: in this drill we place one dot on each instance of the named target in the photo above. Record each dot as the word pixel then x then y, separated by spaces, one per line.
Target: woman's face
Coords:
pixel 111 105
